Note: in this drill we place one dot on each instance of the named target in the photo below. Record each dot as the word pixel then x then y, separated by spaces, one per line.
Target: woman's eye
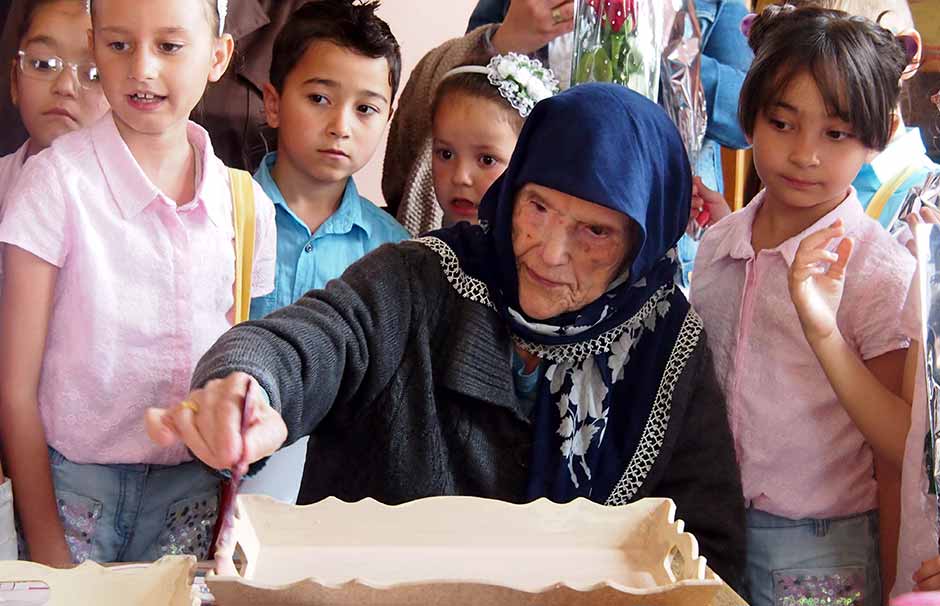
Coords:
pixel 538 206
pixel 598 231
pixel 367 110
pixel 170 47
pixel 778 124
pixel 486 160
pixel 118 46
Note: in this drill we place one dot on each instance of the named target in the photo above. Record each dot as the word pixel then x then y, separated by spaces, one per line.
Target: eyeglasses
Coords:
pixel 48 67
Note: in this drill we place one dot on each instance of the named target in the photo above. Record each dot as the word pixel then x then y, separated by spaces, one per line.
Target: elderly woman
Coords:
pixel 546 353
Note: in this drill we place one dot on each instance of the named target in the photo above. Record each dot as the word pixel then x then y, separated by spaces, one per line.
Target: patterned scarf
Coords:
pixel 600 407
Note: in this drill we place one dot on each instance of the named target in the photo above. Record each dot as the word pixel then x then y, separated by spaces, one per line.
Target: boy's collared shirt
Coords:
pixel 306 260
pixel 901 153
pixel 800 454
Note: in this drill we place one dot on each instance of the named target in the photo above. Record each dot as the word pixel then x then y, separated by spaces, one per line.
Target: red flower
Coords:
pixel 616 15
pixel 614 11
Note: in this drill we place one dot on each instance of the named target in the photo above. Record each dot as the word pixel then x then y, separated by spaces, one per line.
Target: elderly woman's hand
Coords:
pixel 209 423
pixel 816 290
pixel 531 24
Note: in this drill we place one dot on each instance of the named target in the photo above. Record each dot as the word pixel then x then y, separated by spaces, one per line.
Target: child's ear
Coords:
pixel 14 83
pixel 272 105
pixel 222 52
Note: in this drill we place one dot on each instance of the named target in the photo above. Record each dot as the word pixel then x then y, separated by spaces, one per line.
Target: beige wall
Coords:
pixel 419 25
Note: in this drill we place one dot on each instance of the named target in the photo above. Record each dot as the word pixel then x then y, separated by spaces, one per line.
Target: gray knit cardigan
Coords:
pixel 406 389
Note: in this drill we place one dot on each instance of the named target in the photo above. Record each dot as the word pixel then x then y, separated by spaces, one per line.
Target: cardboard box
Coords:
pixel 462 550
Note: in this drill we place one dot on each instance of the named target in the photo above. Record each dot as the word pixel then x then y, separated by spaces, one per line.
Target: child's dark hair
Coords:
pixel 855 63
pixel 349 24
pixel 476 86
pixel 212 14
pixel 29 14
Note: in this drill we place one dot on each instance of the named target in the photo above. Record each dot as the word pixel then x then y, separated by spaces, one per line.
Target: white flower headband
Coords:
pixel 220 5
pixel 521 80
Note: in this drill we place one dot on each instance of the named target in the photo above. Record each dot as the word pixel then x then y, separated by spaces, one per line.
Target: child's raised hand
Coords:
pixel 816 290
pixel 704 199
pixel 926 215
pixel 927 576
pixel 209 423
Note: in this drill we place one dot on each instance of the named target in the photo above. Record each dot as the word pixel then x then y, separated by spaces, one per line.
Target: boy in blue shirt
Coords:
pixel 335 70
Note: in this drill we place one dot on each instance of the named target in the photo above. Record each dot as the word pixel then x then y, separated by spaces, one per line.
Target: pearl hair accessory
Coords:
pixel 521 80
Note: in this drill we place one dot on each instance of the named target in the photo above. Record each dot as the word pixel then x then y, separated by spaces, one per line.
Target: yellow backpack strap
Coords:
pixel 887 189
pixel 243 213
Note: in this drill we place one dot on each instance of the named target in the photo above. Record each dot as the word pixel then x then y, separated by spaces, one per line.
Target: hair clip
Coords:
pixel 521 80
pixel 222 7
pixel 747 23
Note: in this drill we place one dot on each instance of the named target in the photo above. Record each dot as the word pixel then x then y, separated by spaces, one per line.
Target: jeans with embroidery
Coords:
pixel 813 562
pixel 135 513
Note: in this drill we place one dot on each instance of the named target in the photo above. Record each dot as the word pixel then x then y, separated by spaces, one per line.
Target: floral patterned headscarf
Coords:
pixel 601 397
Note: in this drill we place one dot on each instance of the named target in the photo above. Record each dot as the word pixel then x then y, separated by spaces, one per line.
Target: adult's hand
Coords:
pixel 531 24
pixel 209 423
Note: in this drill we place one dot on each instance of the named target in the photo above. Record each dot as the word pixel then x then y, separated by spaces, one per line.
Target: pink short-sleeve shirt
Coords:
pixel 800 454
pixel 144 286
pixel 11 166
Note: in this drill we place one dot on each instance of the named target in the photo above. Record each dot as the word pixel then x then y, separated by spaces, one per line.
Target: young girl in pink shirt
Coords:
pixel 812 385
pixel 55 88
pixel 119 274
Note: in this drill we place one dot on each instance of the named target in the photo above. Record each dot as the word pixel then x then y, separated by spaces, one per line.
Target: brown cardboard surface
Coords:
pixel 462 550
pixel 164 583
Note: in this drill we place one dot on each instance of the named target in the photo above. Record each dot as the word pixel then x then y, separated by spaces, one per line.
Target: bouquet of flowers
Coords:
pixel 649 46
pixel 612 45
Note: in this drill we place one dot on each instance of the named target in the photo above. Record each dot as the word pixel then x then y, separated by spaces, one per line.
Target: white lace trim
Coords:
pixel 651 442
pixel 469 287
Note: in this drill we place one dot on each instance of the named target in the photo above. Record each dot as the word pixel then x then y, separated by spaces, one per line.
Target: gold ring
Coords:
pixel 556 16
pixel 190 405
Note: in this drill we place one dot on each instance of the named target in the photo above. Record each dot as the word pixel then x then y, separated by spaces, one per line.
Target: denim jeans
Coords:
pixel 808 562
pixel 135 513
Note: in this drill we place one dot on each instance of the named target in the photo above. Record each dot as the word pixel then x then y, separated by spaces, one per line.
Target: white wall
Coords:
pixel 419 26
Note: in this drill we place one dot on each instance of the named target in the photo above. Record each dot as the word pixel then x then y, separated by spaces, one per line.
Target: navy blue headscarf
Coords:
pixel 604 363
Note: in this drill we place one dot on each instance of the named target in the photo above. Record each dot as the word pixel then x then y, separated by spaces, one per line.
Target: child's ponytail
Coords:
pixel 765 23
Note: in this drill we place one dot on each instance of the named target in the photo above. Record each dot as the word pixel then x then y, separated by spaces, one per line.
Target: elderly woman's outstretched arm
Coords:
pixel 702 474
pixel 333 346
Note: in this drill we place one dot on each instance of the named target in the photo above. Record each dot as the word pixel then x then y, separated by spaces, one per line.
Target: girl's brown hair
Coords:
pixel 476 86
pixel 855 63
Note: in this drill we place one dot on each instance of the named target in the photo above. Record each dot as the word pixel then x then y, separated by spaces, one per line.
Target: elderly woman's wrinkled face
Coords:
pixel 568 250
